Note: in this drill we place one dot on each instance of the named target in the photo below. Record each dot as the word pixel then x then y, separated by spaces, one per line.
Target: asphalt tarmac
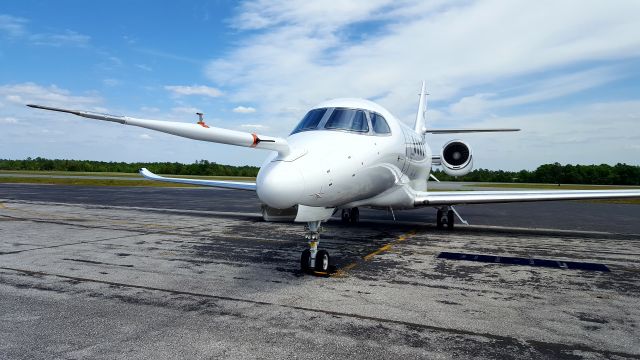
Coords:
pixel 567 215
pixel 107 273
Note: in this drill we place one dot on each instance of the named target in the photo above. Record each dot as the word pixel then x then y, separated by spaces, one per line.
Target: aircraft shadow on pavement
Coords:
pixel 508 260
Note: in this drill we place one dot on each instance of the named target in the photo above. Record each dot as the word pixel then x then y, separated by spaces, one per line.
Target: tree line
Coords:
pixel 619 174
pixel 200 167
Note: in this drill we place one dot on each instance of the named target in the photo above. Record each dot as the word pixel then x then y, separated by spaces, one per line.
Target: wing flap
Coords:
pixel 486 197
pixel 238 185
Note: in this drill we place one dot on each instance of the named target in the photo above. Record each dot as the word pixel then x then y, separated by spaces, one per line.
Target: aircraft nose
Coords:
pixel 280 184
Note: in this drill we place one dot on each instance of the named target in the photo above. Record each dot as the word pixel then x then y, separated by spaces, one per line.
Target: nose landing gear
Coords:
pixel 314 261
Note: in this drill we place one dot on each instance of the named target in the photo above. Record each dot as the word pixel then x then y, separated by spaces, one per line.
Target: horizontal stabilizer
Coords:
pixel 238 185
pixel 460 131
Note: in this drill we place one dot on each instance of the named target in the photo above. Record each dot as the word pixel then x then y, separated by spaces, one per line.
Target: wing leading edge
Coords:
pixel 199 131
pixel 238 185
pixel 485 197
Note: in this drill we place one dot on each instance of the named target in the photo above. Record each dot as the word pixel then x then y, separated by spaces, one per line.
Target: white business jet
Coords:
pixel 345 154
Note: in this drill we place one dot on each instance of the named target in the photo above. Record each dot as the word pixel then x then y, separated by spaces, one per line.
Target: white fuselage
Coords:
pixel 342 169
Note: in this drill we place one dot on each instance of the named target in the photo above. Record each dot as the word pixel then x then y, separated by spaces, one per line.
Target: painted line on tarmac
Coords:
pixel 384 248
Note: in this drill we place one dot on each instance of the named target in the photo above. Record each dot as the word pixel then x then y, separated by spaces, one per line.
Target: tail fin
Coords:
pixel 421 126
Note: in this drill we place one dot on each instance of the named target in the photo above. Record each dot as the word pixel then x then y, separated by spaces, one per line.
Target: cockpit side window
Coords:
pixel 379 124
pixel 310 121
pixel 347 119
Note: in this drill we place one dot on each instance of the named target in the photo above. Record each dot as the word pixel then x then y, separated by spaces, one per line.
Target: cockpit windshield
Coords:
pixel 347 119
pixel 344 119
pixel 379 125
pixel 310 121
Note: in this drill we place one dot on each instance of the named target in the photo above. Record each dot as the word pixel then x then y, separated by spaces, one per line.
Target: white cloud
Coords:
pixel 302 55
pixel 67 38
pixel 244 110
pixel 254 126
pixel 26 93
pixel 185 110
pixel 313 14
pixel 144 67
pixel 111 82
pixel 586 134
pixel 181 90
pixel 12 26
pixel 149 109
pixel 8 120
pixel 145 136
pixel 16 28
pixel 535 91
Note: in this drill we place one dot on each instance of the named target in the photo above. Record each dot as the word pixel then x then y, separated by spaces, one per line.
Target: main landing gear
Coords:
pixel 445 217
pixel 313 260
pixel 351 216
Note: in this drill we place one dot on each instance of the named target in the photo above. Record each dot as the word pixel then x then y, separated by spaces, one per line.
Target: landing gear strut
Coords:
pixel 312 259
pixel 351 215
pixel 442 219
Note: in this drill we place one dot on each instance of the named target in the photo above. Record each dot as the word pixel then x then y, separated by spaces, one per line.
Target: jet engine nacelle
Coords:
pixel 456 158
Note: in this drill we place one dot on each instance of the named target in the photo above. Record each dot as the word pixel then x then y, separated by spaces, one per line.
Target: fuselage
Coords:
pixel 341 161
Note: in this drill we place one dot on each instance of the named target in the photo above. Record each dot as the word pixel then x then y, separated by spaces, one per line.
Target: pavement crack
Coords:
pixel 534 343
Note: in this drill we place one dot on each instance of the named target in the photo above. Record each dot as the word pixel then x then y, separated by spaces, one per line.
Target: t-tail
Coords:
pixel 420 126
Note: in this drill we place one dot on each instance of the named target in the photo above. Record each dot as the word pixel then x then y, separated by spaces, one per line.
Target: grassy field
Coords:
pixel 88 182
pixel 75 178
pixel 116 174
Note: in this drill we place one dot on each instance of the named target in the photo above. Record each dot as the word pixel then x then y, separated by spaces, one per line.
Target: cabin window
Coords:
pixel 347 119
pixel 310 121
pixel 379 124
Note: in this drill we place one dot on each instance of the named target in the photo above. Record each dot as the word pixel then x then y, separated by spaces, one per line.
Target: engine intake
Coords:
pixel 456 158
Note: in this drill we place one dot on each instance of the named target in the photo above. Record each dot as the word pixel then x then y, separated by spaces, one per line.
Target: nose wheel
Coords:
pixel 312 260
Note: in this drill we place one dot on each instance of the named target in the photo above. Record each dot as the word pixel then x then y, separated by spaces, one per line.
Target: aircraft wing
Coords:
pixel 238 185
pixel 199 131
pixel 438 198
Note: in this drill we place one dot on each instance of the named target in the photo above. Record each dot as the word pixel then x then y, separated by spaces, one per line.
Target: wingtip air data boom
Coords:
pixel 345 154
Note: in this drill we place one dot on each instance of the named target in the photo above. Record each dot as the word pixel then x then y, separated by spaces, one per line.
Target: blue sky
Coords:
pixel 567 73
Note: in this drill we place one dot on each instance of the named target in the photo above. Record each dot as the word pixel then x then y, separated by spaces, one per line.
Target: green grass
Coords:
pixel 117 174
pixel 89 182
pixel 76 179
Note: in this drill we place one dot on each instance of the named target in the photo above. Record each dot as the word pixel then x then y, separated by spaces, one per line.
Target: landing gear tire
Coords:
pixel 322 261
pixel 345 216
pixel 304 261
pixel 450 219
pixel 439 223
pixel 354 215
pixel 350 216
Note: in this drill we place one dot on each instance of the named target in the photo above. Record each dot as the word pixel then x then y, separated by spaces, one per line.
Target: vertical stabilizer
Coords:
pixel 420 126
